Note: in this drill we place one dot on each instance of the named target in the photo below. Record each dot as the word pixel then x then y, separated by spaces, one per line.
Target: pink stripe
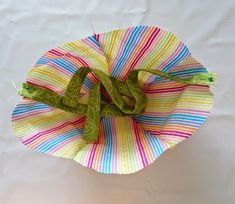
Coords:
pixel 92 45
pixel 140 147
pixel 82 61
pixel 114 146
pixel 97 37
pixel 127 34
pixel 36 136
pixel 31 113
pixel 191 111
pixel 54 149
pixel 92 155
pixel 145 47
pixel 168 60
pixel 43 84
pixel 169 133
pixel 55 66
pixel 172 56
pixel 175 135
pixel 55 52
pixel 92 152
pixel 185 111
pixel 186 66
pixel 180 133
pixel 165 90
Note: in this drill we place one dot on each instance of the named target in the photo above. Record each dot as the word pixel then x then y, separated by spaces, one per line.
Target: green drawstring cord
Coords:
pixel 127 96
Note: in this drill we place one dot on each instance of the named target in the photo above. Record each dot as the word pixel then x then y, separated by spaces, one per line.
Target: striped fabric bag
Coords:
pixel 115 101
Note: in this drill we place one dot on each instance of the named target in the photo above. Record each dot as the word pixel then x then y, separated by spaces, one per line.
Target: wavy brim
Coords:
pixel 126 144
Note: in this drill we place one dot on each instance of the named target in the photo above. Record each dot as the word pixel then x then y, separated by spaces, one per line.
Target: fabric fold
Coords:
pixel 155 95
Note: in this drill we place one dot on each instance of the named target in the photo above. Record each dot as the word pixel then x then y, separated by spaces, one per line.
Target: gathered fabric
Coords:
pixel 115 101
pixel 127 96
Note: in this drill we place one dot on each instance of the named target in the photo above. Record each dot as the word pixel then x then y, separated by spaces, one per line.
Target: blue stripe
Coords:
pixel 157 145
pixel 108 145
pixel 182 73
pixel 71 68
pixel 103 153
pixel 154 145
pixel 184 123
pixel 88 83
pixel 182 55
pixel 154 119
pixel 43 60
pixel 130 49
pixel 24 109
pixel 94 41
pixel 190 71
pixel 121 61
pixel 171 120
pixel 52 142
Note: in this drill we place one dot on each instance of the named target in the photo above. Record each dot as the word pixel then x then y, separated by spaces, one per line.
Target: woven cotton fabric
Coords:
pixel 174 111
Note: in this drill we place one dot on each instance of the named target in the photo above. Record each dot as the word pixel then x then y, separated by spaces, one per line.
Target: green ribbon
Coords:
pixel 127 96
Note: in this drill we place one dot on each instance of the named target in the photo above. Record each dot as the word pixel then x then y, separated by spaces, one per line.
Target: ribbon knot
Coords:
pixel 127 96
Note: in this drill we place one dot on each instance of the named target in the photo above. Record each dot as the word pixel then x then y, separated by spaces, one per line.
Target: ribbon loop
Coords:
pixel 127 96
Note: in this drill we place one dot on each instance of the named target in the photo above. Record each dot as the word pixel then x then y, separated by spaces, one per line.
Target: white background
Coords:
pixel 201 170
